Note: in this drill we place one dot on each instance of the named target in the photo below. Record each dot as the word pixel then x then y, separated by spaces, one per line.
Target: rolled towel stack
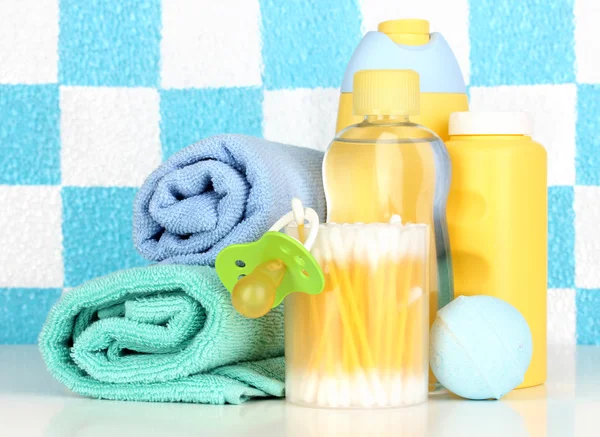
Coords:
pixel 223 190
pixel 164 333
pixel 168 332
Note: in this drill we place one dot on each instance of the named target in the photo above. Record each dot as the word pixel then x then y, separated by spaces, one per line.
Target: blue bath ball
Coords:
pixel 480 347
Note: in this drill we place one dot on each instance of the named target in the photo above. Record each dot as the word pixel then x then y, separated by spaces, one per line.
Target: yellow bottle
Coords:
pixel 407 44
pixel 497 218
pixel 386 165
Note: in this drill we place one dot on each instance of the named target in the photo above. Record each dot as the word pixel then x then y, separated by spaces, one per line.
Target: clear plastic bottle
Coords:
pixel 386 165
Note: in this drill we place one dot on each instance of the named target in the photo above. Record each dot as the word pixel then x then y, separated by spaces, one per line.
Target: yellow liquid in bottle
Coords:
pixel 370 182
pixel 388 166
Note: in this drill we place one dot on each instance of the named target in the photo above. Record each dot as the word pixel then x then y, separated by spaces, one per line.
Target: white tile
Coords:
pixel 553 108
pixel 28 41
pixel 587 43
pixel 585 420
pixel 450 18
pixel 587 237
pixel 562 371
pixel 561 316
pixel 110 136
pixel 31 237
pixel 211 44
pixel 303 117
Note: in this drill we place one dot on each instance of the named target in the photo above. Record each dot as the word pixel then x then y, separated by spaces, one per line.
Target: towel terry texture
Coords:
pixel 164 333
pixel 223 190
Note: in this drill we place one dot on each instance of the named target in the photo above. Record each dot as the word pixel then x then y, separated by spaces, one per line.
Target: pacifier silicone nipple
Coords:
pixel 253 295
pixel 260 274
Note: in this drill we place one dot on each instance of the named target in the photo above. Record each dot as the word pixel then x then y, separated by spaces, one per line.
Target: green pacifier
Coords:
pixel 259 275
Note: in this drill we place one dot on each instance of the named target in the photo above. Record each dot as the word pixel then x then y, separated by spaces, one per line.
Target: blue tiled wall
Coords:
pixel 304 45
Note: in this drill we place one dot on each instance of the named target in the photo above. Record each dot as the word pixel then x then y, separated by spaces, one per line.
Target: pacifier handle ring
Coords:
pixel 298 210
pixel 311 217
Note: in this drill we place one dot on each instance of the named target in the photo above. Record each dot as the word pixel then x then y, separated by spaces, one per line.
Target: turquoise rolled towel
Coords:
pixel 164 333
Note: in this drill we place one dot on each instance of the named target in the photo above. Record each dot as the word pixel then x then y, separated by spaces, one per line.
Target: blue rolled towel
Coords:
pixel 223 190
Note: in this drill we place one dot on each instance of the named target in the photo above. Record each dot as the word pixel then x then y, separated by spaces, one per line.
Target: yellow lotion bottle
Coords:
pixel 497 218
pixel 407 44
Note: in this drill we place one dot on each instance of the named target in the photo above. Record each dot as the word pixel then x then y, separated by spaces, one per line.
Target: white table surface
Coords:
pixel 33 404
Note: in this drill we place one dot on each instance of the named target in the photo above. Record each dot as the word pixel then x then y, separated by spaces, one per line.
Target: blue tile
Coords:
pixel 109 42
pixel 521 43
pixel 587 159
pixel 561 238
pixel 23 312
pixel 97 235
pixel 588 316
pixel 29 135
pixel 307 44
pixel 189 115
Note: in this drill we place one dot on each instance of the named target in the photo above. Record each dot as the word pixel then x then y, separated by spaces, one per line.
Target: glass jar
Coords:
pixel 363 341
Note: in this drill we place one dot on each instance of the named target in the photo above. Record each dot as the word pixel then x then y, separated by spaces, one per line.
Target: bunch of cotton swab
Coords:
pixel 363 341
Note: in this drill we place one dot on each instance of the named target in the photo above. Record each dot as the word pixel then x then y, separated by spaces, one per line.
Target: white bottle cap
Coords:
pixel 490 123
